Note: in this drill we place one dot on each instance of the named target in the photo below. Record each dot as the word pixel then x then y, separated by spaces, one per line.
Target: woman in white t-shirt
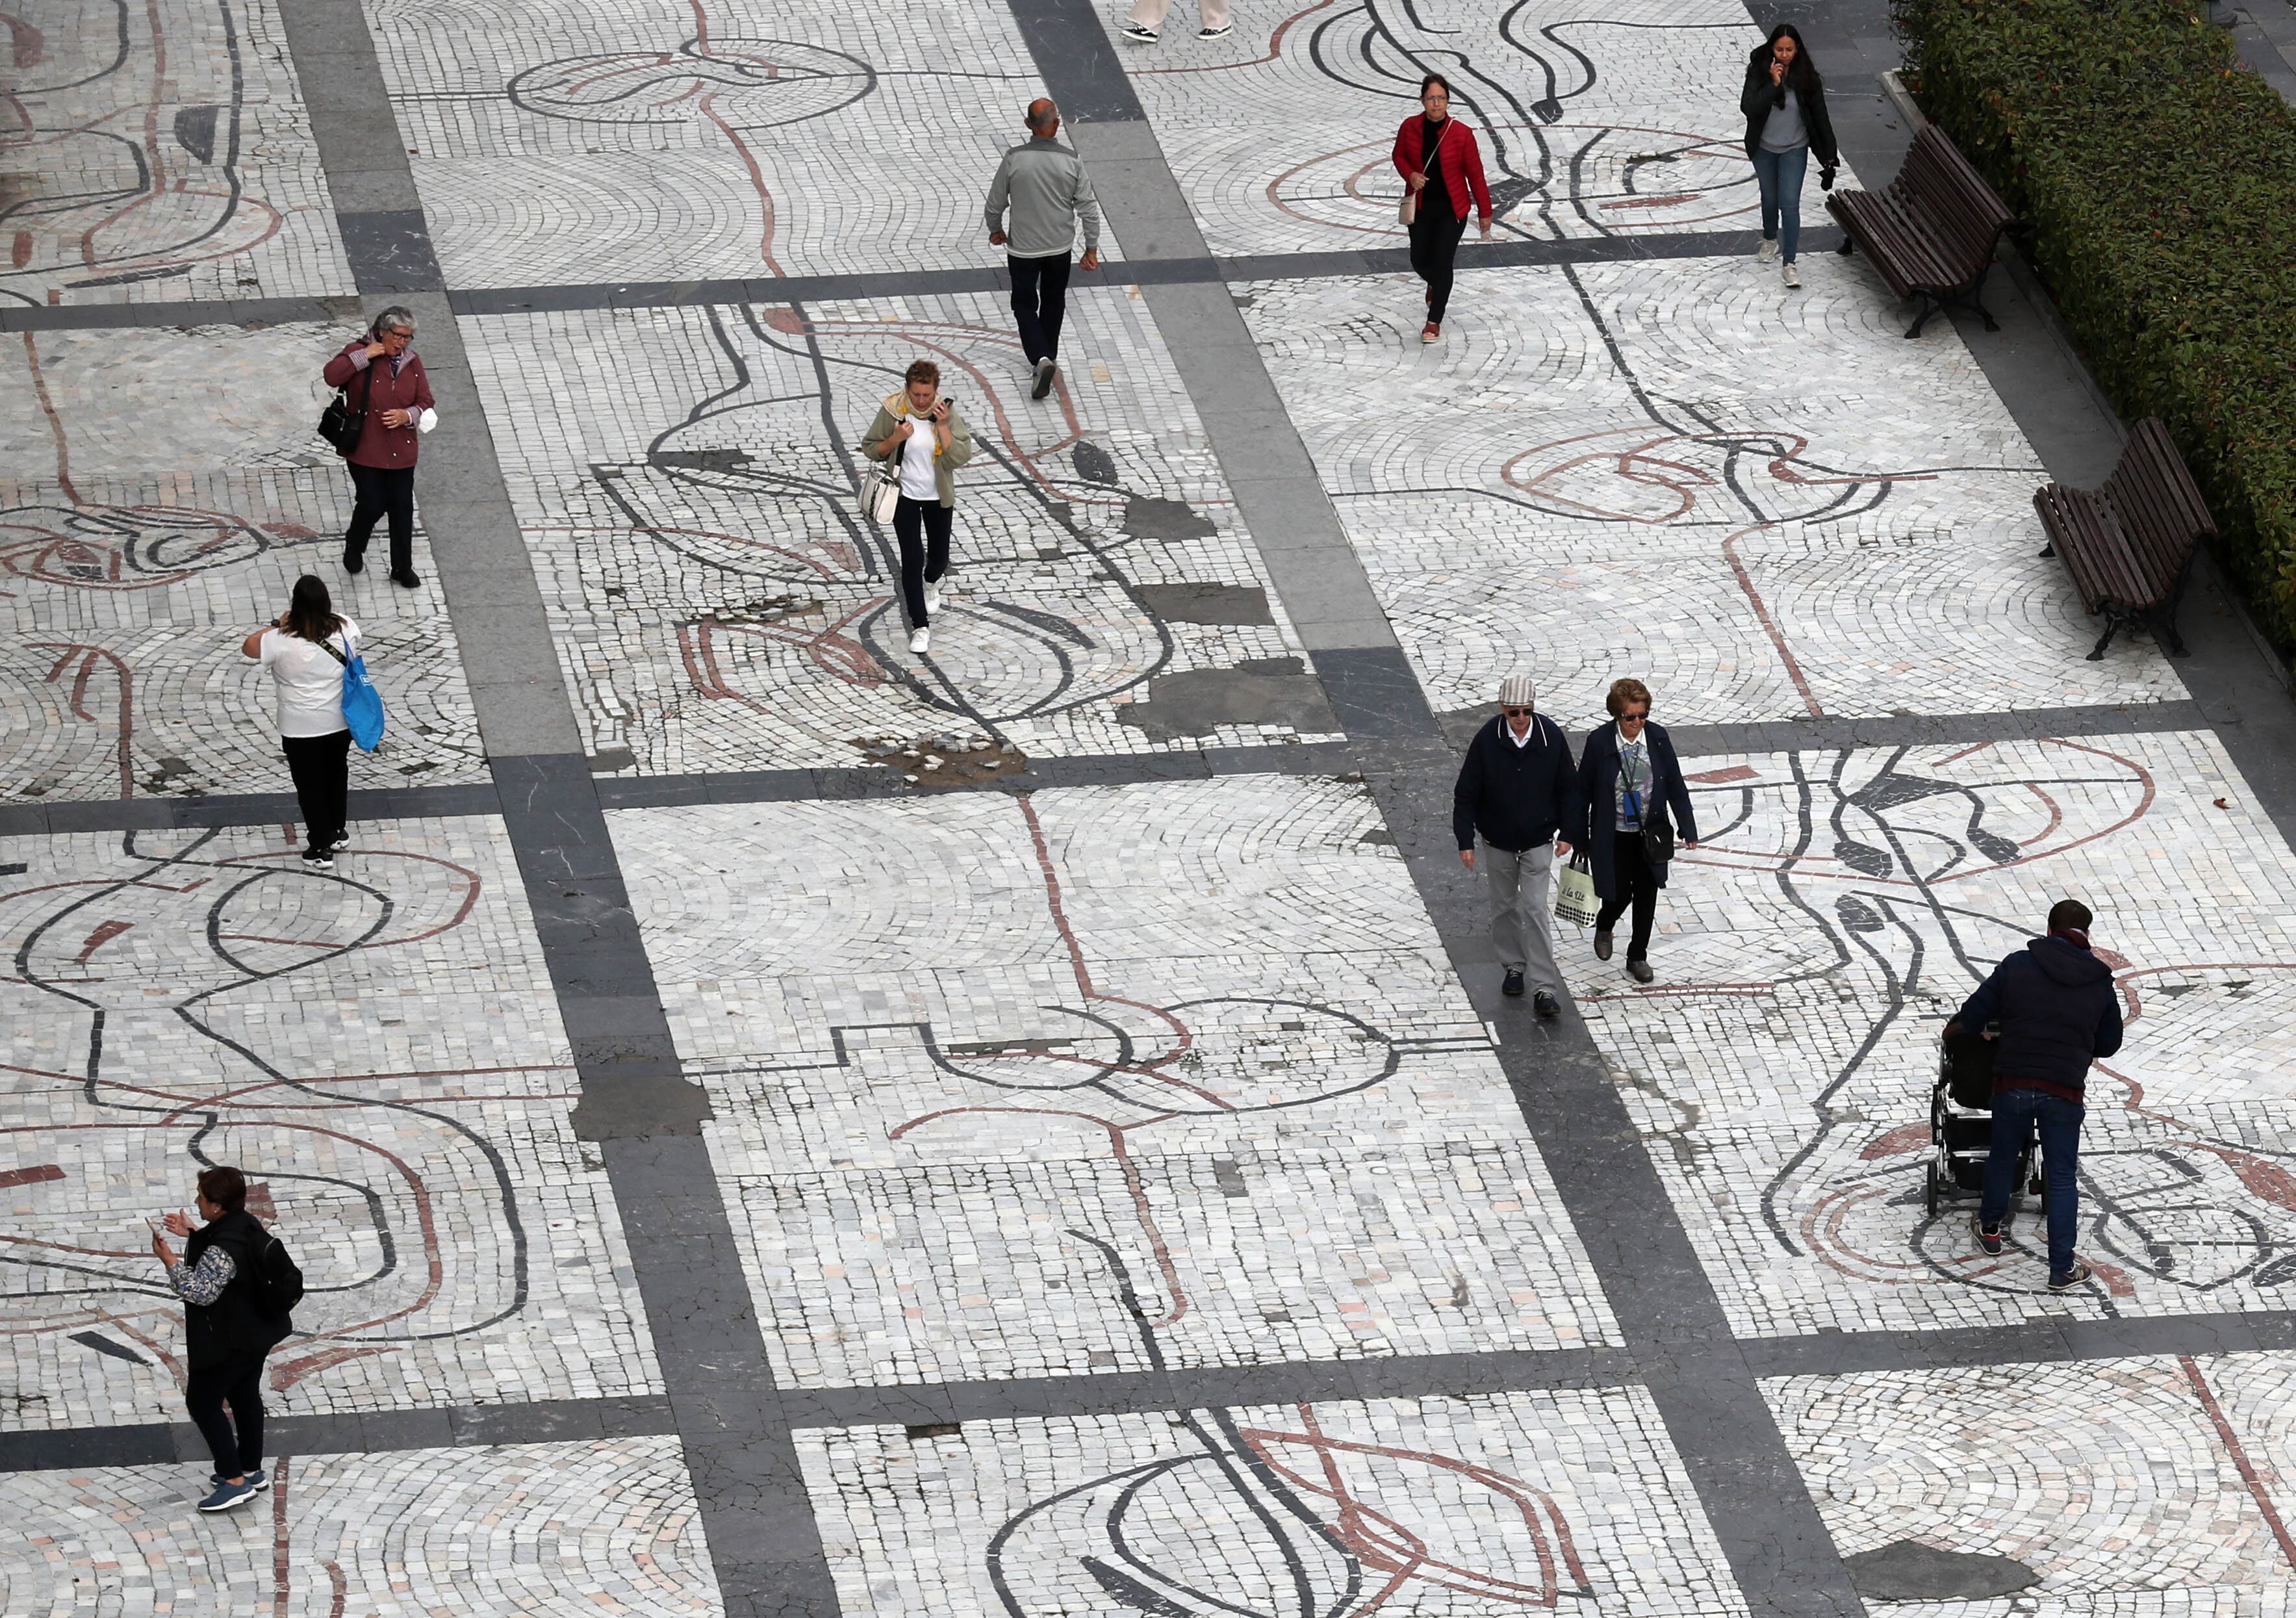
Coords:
pixel 306 648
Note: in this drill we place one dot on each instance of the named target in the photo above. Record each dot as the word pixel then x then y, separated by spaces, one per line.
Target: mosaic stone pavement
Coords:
pixel 381 1039
pixel 721 602
pixel 140 542
pixel 556 1529
pixel 1120 1190
pixel 1134 1036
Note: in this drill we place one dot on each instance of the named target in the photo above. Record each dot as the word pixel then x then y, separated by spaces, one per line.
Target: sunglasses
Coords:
pixel 1514 713
pixel 1634 718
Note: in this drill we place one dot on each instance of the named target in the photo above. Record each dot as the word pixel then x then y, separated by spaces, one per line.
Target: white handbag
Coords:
pixel 881 488
pixel 1575 899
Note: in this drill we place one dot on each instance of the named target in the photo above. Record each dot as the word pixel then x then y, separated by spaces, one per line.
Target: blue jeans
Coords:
pixel 1781 174
pixel 2015 1115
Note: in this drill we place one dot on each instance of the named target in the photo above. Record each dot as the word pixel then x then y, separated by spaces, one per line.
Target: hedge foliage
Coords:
pixel 2154 180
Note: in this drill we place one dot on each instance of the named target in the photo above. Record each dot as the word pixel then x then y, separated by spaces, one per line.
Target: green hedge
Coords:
pixel 2154 180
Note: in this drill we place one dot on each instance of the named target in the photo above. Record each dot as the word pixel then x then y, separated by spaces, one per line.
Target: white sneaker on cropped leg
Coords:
pixel 921 640
pixel 1768 252
pixel 932 598
pixel 1793 276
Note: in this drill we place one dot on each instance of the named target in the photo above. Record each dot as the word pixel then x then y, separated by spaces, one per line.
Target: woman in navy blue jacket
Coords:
pixel 1628 777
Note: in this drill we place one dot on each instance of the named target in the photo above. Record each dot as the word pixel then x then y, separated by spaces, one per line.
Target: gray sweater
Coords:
pixel 1785 131
pixel 1047 190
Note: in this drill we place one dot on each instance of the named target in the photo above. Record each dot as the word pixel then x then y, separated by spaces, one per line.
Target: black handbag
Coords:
pixel 340 425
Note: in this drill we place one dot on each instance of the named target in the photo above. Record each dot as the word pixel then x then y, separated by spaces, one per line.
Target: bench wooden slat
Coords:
pixel 1932 231
pixel 2128 545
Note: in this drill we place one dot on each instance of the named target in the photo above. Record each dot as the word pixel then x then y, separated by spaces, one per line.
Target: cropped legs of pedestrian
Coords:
pixel 1435 236
pixel 1522 935
pixel 921 526
pixel 236 1441
pixel 379 492
pixel 2016 1114
pixel 1040 303
pixel 1780 175
pixel 1145 24
pixel 321 767
pixel 1636 888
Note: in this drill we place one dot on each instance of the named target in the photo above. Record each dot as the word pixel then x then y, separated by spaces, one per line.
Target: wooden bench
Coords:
pixel 1932 232
pixel 2129 545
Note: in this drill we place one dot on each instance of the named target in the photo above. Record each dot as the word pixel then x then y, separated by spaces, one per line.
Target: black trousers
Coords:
pixel 1631 874
pixel 1435 235
pixel 1040 302
pixel 921 526
pixel 236 1441
pixel 321 768
pixel 383 491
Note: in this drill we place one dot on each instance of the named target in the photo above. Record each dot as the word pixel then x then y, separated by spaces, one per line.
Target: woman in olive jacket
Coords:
pixel 920 423
pixel 1628 777
pixel 1786 121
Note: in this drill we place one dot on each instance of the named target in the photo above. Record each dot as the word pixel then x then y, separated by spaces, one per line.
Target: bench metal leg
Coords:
pixel 1929 305
pixel 2111 629
pixel 2164 625
pixel 2049 549
pixel 1846 247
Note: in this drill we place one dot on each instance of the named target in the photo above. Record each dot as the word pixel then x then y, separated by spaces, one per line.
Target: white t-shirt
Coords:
pixel 310 681
pixel 917 480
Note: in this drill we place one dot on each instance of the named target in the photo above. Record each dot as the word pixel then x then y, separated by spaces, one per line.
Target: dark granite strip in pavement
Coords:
pixel 176 313
pixel 242 808
pixel 636 1100
pixel 357 1433
pixel 2024 1343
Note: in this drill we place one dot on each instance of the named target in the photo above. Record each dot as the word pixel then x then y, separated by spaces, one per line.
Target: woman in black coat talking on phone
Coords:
pixel 1786 121
pixel 1630 783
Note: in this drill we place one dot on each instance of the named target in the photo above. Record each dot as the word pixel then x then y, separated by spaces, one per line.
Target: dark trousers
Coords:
pixel 383 491
pixel 321 768
pixel 1435 235
pixel 2016 1114
pixel 1631 875
pixel 921 526
pixel 1040 302
pixel 206 1393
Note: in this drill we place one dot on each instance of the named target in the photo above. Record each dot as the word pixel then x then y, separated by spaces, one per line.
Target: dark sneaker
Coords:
pixel 1221 32
pixel 1640 970
pixel 318 859
pixel 354 562
pixel 1546 1005
pixel 255 1480
pixel 1045 371
pixel 2068 1279
pixel 342 842
pixel 1989 1237
pixel 228 1496
pixel 1513 985
pixel 1138 35
pixel 408 578
pixel 1603 944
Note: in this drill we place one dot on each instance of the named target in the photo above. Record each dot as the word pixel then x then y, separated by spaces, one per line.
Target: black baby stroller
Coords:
pixel 1961 1122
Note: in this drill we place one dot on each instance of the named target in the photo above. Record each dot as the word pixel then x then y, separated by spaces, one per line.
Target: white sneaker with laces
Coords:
pixel 922 641
pixel 1793 276
pixel 1766 253
pixel 932 598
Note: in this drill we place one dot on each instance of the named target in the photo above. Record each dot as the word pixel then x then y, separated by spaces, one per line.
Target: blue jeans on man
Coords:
pixel 1780 175
pixel 2016 1114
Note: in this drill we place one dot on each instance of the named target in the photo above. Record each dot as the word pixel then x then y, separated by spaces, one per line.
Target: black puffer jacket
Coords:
pixel 2058 1012
pixel 1762 97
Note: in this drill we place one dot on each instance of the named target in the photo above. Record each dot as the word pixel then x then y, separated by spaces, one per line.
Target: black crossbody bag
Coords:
pixel 340 425
pixel 1657 836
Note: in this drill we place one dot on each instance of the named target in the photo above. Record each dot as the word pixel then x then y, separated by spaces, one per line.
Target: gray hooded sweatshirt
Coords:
pixel 1045 185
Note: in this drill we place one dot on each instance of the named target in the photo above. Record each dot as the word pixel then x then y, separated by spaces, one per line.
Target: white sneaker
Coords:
pixel 1793 276
pixel 1768 252
pixel 1221 32
pixel 932 598
pixel 922 641
pixel 1138 35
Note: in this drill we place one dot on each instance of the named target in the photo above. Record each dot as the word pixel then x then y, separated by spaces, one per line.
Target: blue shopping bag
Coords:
pixel 362 702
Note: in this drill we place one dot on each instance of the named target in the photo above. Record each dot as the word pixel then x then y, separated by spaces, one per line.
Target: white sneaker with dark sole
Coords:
pixel 1046 370
pixel 920 642
pixel 1768 253
pixel 1793 276
pixel 1137 34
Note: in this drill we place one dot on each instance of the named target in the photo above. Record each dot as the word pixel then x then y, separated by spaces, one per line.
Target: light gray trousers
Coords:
pixel 1523 929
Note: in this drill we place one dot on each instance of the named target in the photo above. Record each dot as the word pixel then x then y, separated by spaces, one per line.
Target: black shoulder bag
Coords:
pixel 1657 834
pixel 340 425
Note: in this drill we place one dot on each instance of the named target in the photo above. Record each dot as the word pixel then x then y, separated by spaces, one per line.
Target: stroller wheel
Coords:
pixel 1930 1190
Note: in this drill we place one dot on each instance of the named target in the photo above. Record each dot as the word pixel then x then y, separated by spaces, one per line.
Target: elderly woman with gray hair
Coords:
pixel 382 380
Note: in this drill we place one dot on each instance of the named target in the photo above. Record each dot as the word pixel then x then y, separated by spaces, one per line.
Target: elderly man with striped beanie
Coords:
pixel 1515 791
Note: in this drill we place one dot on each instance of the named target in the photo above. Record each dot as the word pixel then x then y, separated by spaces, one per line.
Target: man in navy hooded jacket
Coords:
pixel 2059 1011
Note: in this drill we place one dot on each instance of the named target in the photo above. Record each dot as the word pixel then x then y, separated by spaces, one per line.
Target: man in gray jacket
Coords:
pixel 1044 185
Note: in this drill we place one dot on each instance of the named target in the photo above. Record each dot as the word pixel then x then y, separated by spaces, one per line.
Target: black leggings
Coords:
pixel 919 569
pixel 205 1393
pixel 321 768
pixel 1435 235
pixel 383 491
pixel 1633 885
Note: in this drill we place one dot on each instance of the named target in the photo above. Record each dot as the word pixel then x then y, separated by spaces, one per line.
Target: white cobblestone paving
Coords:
pixel 165 155
pixel 720 604
pixel 685 139
pixel 1780 509
pixel 378 1044
pixel 559 1529
pixel 1620 124
pixel 2131 1487
pixel 1486 1504
pixel 1809 953
pixel 1170 1072
pixel 141 541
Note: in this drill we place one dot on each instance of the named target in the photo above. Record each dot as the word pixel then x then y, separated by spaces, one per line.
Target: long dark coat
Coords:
pixel 1593 825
